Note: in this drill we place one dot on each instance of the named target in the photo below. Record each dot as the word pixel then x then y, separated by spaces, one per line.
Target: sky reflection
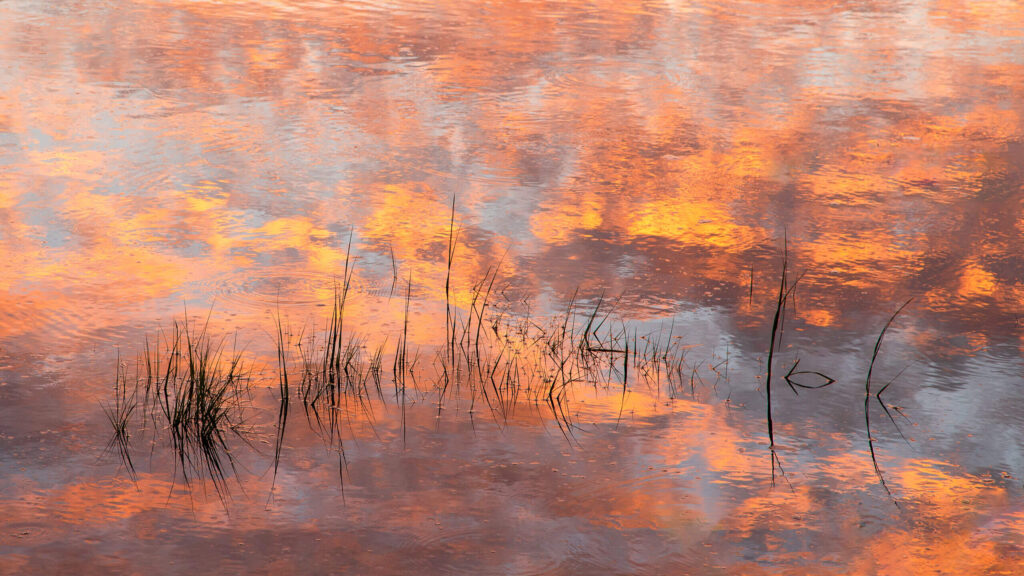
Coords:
pixel 219 155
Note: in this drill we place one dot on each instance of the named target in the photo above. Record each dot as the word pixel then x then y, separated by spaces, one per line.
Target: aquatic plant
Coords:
pixel 450 312
pixel 284 394
pixel 878 396
pixel 193 389
pixel 119 415
pixel 203 395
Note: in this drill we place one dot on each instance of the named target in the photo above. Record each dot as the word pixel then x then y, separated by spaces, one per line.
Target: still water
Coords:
pixel 667 159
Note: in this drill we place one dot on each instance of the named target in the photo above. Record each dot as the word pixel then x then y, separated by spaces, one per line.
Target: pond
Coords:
pixel 511 287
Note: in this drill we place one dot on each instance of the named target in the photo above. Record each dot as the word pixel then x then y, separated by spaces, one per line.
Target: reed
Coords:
pixel 195 388
pixel 205 405
pixel 867 399
pixel 195 391
pixel 284 394
pixel 450 312
pixel 336 368
pixel 119 414
pixel 780 306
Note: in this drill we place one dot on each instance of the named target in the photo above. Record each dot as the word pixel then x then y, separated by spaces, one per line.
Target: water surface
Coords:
pixel 215 158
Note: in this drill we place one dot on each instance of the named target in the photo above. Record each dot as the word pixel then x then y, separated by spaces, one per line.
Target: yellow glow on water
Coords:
pixel 692 222
pixel 976 281
pixel 560 222
pixel 818 317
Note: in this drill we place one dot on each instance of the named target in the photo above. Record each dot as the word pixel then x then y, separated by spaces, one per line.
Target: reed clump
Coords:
pixel 119 414
pixel 191 391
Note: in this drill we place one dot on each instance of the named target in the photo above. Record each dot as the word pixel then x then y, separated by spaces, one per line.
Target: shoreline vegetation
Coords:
pixel 191 391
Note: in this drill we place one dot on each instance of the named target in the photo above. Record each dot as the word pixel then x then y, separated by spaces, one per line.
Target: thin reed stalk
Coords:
pixel 867 399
